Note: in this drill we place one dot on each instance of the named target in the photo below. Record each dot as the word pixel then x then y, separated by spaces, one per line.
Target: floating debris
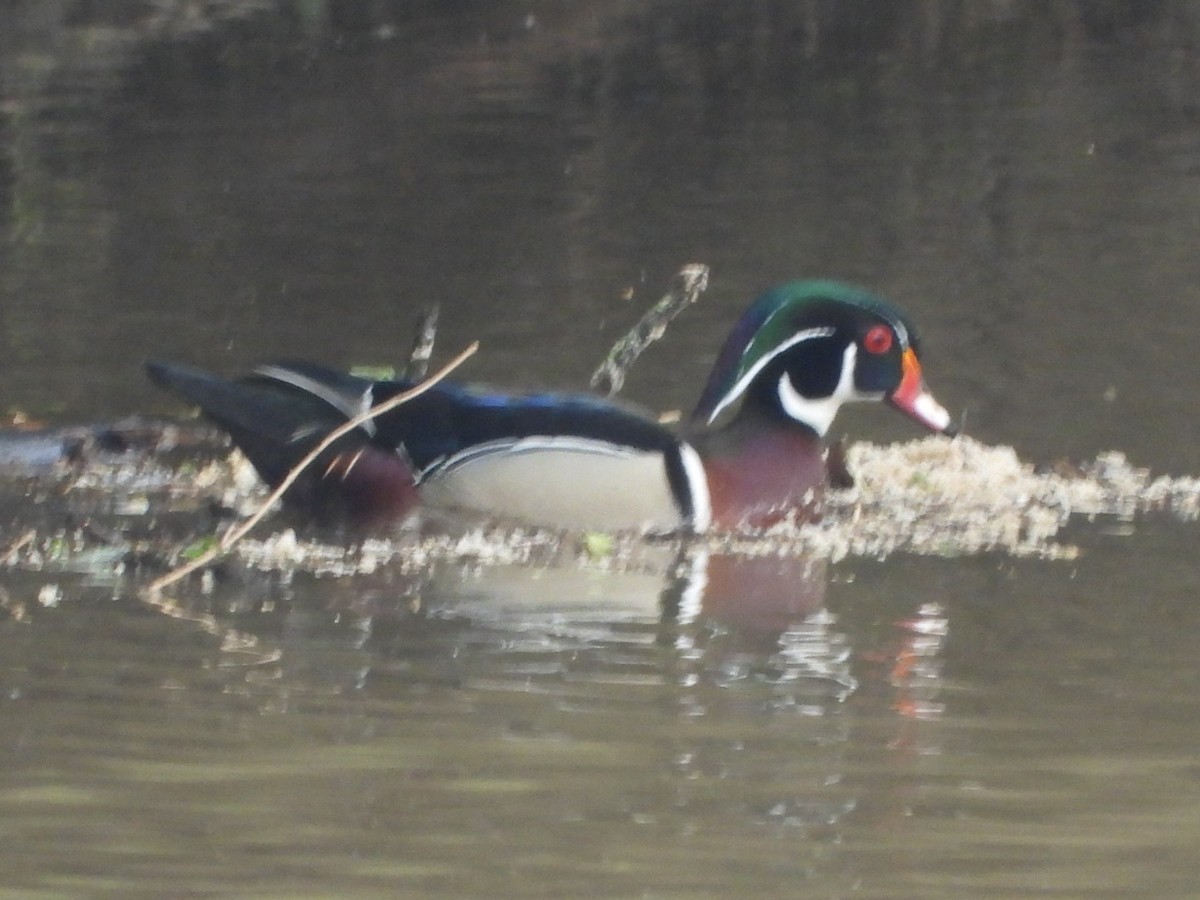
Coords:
pixel 687 286
pixel 951 497
pixel 407 554
pixel 932 497
pixel 50 595
pixel 937 496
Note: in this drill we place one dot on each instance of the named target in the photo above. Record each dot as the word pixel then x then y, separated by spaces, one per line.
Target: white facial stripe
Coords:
pixel 697 481
pixel 818 413
pixel 739 388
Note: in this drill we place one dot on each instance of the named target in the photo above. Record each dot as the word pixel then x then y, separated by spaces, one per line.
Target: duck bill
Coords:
pixel 912 397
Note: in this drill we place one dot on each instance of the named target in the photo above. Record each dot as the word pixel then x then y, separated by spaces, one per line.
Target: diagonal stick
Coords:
pixel 237 532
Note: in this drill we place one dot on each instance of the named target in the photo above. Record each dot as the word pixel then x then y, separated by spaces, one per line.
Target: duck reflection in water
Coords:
pixel 728 673
pixel 689 614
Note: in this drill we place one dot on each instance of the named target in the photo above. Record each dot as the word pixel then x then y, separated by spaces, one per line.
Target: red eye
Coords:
pixel 878 340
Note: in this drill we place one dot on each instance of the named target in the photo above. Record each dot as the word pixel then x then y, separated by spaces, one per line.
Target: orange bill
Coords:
pixel 913 397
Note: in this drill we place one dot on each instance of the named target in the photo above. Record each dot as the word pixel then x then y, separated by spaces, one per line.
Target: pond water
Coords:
pixel 1023 178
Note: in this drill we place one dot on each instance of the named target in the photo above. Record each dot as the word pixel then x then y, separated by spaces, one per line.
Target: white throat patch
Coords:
pixel 742 383
pixel 818 413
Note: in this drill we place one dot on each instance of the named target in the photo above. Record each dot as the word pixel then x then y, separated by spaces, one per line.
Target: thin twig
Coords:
pixel 687 286
pixel 237 532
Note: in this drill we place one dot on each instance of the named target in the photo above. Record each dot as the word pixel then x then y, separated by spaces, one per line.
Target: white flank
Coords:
pixel 559 482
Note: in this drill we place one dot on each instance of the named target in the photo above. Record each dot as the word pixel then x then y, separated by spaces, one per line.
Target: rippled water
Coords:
pixel 1023 179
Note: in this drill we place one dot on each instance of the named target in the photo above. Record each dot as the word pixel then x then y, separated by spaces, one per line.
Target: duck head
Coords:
pixel 803 349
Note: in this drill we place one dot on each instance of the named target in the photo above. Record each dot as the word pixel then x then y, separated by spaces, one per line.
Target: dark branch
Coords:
pixel 685 289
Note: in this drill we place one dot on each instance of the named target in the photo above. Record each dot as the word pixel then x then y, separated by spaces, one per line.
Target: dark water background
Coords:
pixel 1023 177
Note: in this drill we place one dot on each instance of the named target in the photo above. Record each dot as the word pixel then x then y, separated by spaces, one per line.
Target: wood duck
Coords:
pixel 751 453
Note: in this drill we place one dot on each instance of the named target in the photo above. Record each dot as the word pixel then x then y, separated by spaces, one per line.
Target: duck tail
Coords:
pixel 275 428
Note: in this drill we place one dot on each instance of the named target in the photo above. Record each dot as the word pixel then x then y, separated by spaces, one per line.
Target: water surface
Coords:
pixel 1022 178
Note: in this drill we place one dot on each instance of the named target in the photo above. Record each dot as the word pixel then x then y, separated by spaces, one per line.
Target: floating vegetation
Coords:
pixel 158 497
pixel 951 497
pixel 936 496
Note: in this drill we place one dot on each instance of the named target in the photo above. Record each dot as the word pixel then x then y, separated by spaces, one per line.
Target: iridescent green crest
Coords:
pixel 779 320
